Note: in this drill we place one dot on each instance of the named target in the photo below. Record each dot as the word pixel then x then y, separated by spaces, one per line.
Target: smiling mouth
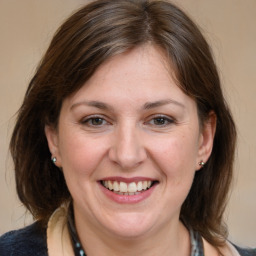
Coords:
pixel 128 189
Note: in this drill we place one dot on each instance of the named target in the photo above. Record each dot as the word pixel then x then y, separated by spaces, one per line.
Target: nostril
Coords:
pixel 126 161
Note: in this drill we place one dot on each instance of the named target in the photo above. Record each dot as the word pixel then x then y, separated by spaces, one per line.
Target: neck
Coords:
pixel 170 240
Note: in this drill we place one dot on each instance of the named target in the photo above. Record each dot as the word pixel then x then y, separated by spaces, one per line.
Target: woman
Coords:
pixel 124 144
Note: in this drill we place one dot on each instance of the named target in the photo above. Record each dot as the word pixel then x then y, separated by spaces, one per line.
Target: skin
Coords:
pixel 132 137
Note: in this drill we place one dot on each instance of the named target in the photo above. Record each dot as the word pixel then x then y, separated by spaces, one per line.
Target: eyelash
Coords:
pixel 163 120
pixel 89 121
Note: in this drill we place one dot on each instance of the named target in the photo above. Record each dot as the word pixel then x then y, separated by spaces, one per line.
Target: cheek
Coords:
pixel 176 157
pixel 177 150
pixel 80 155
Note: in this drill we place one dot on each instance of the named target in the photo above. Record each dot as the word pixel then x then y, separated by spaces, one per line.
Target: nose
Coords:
pixel 127 148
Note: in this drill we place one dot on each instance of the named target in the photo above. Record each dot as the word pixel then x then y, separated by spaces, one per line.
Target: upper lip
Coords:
pixel 127 180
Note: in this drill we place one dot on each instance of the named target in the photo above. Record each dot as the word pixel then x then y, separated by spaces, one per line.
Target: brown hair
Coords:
pixel 89 37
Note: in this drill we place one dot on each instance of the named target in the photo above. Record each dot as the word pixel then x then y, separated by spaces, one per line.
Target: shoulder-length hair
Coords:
pixel 92 35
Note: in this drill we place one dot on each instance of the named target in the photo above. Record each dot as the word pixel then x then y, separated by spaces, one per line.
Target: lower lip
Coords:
pixel 126 199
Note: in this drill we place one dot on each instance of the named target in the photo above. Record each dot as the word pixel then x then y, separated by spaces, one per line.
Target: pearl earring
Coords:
pixel 202 163
pixel 54 160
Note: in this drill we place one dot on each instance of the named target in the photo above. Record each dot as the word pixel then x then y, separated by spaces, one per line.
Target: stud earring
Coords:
pixel 202 163
pixel 54 159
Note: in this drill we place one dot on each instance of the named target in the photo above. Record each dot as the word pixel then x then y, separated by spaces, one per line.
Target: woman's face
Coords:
pixel 129 145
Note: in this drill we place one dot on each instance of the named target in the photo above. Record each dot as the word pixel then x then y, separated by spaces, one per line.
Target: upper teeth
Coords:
pixel 127 187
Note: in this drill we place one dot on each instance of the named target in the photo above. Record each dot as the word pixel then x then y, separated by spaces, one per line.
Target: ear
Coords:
pixel 53 143
pixel 206 139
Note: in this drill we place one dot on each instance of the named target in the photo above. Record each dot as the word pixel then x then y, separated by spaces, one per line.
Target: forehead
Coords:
pixel 147 59
pixel 141 74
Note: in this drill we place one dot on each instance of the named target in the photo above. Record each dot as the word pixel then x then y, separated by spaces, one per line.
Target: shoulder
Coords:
pixel 30 240
pixel 228 249
pixel 245 251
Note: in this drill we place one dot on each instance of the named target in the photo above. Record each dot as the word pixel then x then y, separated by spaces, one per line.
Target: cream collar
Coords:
pixel 59 241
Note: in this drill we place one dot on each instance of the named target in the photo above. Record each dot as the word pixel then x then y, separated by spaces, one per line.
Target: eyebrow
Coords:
pixel 147 105
pixel 159 103
pixel 96 104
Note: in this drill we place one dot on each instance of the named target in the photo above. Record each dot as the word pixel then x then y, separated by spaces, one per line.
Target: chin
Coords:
pixel 129 225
